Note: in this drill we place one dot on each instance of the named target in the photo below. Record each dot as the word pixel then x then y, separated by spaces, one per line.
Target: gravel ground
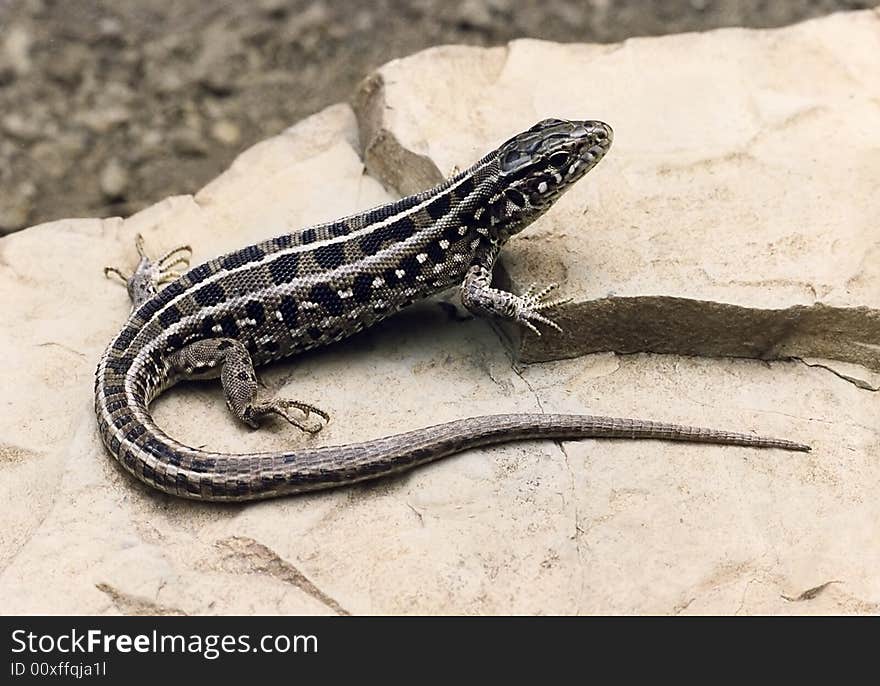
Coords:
pixel 107 106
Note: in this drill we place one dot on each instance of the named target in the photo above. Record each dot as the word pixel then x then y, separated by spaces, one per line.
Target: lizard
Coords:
pixel 320 284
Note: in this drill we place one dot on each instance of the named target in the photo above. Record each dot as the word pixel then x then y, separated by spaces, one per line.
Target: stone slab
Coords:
pixel 536 527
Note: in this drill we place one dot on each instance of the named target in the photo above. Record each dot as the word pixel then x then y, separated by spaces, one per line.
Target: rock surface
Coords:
pixel 736 213
pixel 541 527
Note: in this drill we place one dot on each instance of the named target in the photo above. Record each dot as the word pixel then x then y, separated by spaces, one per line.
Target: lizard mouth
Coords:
pixel 600 134
pixel 598 137
pixel 594 153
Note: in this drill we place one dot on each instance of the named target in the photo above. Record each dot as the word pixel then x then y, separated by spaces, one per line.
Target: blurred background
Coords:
pixel 107 106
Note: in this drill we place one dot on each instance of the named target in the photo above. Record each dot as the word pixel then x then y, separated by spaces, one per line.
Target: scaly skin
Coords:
pixel 321 284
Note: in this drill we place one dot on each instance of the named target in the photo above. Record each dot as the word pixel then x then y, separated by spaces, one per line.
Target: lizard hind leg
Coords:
pixel 149 274
pixel 230 360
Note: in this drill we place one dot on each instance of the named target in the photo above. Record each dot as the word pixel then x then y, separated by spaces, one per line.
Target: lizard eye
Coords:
pixel 558 159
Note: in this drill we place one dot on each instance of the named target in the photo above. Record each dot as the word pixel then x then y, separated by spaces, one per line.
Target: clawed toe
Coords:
pixel 177 257
pixel 181 255
pixel 115 271
pixel 533 302
pixel 280 407
pixel 168 276
pixel 530 291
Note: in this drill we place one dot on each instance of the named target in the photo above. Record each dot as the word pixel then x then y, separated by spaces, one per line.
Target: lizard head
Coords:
pixel 536 166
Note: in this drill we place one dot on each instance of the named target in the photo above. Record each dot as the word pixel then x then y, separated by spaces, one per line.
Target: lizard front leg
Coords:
pixel 230 360
pixel 478 295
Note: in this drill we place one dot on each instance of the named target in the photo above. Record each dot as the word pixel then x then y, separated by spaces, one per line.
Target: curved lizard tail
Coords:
pixel 145 451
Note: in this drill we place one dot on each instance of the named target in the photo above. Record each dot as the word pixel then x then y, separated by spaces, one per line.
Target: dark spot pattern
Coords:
pixel 390 276
pixel 466 187
pixel 382 212
pixel 327 298
pixel 255 310
pixel 252 253
pixel 284 268
pixel 162 298
pixel 289 312
pixel 229 327
pixel 203 464
pixel 362 287
pixel 188 485
pixel 559 159
pixel 439 207
pixel 338 229
pixel 199 274
pixel 308 236
pixel 174 341
pixel 411 268
pixel 435 253
pixel 128 459
pixel 223 345
pixel 315 332
pixel 120 365
pixel 330 256
pixel 400 230
pixel 371 243
pixel 115 405
pixel 148 472
pixel 208 324
pixel 165 453
pixel 150 307
pixel 282 242
pixel 171 291
pixel 210 294
pixel 451 234
pixel 135 432
pixel 124 338
pixel 170 315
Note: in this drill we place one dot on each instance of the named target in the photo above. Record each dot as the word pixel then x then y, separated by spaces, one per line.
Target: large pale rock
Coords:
pixel 539 527
pixel 736 213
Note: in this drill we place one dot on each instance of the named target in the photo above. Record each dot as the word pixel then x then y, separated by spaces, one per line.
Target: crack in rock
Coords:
pixel 855 381
pixel 129 604
pixel 810 593
pixel 252 557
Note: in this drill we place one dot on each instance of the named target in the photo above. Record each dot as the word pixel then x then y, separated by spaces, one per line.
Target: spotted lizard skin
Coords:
pixel 320 284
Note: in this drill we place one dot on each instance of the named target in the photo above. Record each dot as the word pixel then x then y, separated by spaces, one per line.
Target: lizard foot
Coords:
pixel 144 282
pixel 281 408
pixel 529 306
